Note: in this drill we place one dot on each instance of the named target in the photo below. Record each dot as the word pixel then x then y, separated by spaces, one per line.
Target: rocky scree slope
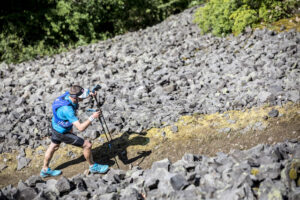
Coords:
pixel 152 76
pixel 263 172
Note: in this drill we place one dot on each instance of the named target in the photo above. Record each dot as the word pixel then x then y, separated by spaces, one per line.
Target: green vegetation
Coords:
pixel 222 17
pixel 282 24
pixel 34 28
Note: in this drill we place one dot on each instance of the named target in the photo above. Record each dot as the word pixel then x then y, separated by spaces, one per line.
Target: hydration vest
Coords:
pixel 59 102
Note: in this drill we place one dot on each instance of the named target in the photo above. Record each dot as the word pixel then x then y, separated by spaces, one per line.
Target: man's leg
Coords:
pixel 49 154
pixel 70 138
pixel 87 152
pixel 46 171
pixel 94 167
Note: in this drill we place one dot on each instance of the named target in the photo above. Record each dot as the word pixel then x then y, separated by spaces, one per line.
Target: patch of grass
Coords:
pixel 195 135
pixel 287 23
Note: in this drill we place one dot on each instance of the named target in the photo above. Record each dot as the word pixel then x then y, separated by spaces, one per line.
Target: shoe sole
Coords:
pixel 95 172
pixel 45 176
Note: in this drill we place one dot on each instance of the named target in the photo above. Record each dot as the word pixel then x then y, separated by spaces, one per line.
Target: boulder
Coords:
pixel 273 113
pixel 63 185
pixel 178 182
pixel 27 193
pixel 23 162
pixel 164 164
pixel 33 180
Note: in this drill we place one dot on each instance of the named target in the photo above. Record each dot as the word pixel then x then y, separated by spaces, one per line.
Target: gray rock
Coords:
pixel 50 187
pixel 78 194
pixel 33 180
pixel 63 185
pixel 91 184
pixel 71 154
pixel 2 196
pixel 187 194
pixel 174 129
pixel 224 130
pixel 23 162
pixel 130 193
pixel 111 189
pixel 265 96
pixel 188 157
pixel 80 183
pixel 102 187
pixel 293 195
pixel 246 129
pixel 211 182
pixel 273 113
pixel 178 182
pixel 22 153
pixel 114 176
pixel 271 190
pixel 170 88
pixel 243 192
pixel 151 183
pixel 9 192
pixel 179 167
pixel 110 196
pixel 294 95
pixel 243 179
pixel 282 28
pixel 165 164
pixel 134 173
pixel 2 166
pixel 22 185
pixel 164 185
pixel 231 121
pixel 94 135
pixel 40 186
pixel 259 126
pixel 27 193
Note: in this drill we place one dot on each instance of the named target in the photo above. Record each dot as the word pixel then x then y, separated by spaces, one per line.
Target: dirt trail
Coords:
pixel 198 134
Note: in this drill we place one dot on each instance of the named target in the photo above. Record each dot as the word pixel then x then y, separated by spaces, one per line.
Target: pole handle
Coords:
pixel 95 88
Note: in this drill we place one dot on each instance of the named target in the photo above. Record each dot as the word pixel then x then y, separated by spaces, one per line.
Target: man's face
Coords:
pixel 76 100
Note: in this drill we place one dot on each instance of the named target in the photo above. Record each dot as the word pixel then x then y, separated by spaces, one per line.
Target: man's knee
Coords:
pixel 87 144
pixel 54 147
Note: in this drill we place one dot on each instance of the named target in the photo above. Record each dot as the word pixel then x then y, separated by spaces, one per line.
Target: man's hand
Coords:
pixel 84 125
pixel 96 114
pixel 93 94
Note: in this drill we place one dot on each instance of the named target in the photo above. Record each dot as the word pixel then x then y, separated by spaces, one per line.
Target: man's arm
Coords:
pixel 82 126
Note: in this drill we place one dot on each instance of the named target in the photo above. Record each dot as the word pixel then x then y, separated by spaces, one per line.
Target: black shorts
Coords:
pixel 68 138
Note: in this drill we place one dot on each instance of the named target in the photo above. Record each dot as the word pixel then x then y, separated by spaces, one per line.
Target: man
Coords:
pixel 64 117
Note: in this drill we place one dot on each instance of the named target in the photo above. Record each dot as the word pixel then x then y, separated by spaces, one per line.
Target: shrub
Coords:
pixel 243 17
pixel 38 27
pixel 233 16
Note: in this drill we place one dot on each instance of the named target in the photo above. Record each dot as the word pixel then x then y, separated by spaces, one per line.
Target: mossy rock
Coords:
pixel 275 194
pixel 295 166
pixel 293 174
pixel 254 171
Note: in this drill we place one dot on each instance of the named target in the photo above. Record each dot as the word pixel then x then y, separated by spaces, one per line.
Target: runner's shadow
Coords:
pixel 106 154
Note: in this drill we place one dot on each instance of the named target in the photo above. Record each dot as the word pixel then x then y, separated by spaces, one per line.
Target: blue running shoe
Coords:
pixel 97 168
pixel 50 172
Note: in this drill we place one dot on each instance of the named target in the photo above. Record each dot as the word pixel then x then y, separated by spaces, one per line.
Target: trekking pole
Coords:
pixel 103 129
pixel 101 120
pixel 98 106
